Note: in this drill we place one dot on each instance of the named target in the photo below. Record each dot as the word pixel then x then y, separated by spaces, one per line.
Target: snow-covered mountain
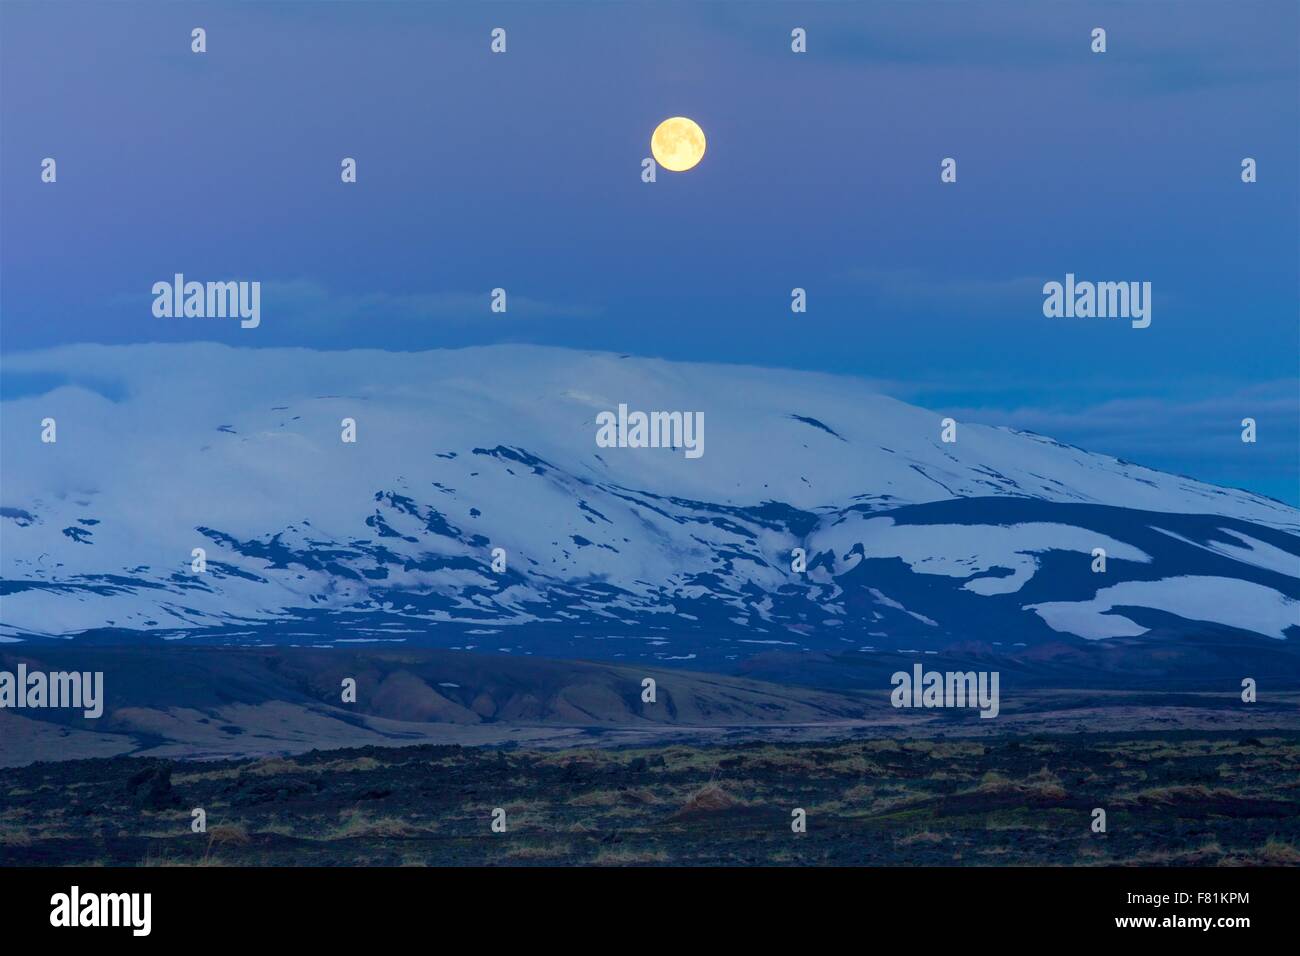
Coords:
pixel 911 542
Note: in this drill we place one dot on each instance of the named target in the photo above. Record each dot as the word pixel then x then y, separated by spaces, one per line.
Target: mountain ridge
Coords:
pixel 910 541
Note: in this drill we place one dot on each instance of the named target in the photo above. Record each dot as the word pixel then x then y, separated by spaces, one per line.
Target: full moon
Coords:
pixel 678 144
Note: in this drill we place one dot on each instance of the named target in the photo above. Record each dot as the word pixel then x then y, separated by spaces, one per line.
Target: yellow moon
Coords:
pixel 678 144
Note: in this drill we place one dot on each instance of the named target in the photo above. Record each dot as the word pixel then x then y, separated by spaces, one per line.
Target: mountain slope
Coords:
pixel 203 702
pixel 911 542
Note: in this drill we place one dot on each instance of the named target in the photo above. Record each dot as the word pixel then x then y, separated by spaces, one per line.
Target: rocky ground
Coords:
pixel 1178 798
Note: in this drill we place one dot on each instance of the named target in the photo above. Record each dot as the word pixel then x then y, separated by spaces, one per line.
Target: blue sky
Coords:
pixel 522 171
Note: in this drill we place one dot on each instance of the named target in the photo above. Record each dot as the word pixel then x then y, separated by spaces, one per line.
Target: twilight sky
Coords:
pixel 522 170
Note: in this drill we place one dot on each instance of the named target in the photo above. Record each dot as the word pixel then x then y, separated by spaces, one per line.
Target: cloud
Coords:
pixel 1198 436
pixel 1151 51
pixel 912 290
pixel 308 304
pixel 1158 421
